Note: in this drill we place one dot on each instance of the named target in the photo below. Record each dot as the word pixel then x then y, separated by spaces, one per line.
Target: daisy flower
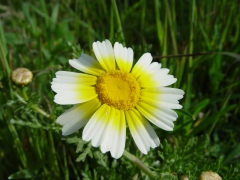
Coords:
pixel 110 91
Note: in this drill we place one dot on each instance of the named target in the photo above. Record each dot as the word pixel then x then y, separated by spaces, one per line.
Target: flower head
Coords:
pixel 110 92
pixel 21 77
pixel 209 175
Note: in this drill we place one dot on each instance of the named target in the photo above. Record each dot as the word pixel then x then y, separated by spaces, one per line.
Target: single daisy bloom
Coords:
pixel 110 91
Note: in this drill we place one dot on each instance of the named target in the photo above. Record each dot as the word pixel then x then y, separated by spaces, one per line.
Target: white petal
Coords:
pixel 159 115
pixel 142 132
pixel 107 134
pixel 168 103
pixel 120 137
pixel 74 78
pixel 87 64
pixel 157 82
pixel 72 93
pixel 104 53
pixel 167 92
pixel 153 72
pixel 115 134
pixel 141 65
pixel 157 78
pixel 96 125
pixel 163 97
pixel 154 67
pixel 158 110
pixel 123 56
pixel 77 116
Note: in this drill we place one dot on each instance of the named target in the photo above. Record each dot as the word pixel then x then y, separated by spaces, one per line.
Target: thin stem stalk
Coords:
pixel 184 55
pixel 138 163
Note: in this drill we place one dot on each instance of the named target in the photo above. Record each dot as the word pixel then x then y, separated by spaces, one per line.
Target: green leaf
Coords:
pixel 234 55
pixel 86 152
pixel 13 39
pixel 80 146
pixel 200 106
pixel 46 53
pixel 233 154
pixel 53 20
pixel 23 174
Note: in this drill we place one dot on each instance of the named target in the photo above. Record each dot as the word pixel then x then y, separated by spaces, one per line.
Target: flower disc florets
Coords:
pixel 118 89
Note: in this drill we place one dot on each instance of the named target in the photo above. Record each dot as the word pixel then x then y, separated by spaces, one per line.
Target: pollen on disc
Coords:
pixel 118 89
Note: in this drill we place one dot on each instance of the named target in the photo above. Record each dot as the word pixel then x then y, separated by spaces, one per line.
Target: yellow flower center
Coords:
pixel 118 89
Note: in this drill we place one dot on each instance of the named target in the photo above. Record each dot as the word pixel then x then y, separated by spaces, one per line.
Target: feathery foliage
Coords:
pixel 43 35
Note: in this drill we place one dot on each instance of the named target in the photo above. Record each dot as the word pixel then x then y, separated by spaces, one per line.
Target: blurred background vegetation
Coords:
pixel 43 35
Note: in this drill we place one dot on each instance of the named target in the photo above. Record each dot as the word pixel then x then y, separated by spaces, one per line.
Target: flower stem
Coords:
pixel 24 94
pixel 138 163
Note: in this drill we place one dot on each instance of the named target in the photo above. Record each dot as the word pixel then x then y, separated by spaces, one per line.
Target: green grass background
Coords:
pixel 43 35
